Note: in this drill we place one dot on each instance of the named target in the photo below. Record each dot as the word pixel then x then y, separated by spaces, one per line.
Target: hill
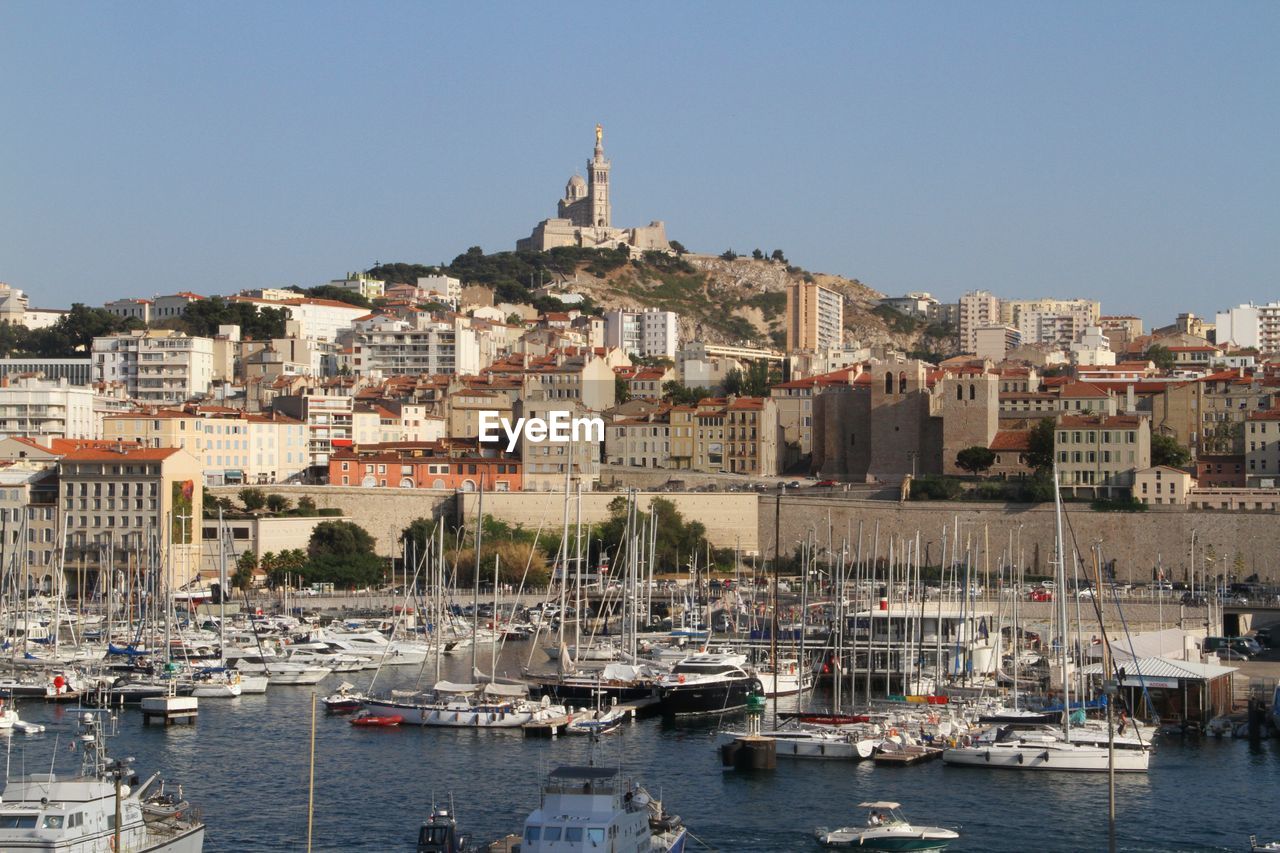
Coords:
pixel 720 299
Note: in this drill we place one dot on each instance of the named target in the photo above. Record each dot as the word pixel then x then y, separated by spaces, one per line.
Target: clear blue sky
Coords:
pixel 1127 152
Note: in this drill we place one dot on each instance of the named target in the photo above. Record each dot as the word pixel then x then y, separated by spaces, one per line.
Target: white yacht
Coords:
pixel 707 683
pixel 1044 749
pixel 46 812
pixel 470 706
pixel 594 810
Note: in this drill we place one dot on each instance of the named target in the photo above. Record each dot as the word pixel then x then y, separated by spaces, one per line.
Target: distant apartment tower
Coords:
pixel 35 408
pixel 978 308
pixel 157 367
pixel 442 288
pixel 1250 326
pixel 645 333
pixel 994 342
pixel 1058 322
pixel 815 317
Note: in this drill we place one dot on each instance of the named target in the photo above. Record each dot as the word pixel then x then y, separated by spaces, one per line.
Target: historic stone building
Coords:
pixel 584 217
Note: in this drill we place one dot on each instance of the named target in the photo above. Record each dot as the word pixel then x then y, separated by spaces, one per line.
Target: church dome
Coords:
pixel 576 188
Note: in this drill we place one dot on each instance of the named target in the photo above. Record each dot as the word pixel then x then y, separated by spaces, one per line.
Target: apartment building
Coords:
pixel 1056 322
pixel 331 422
pixel 815 317
pixel 1250 325
pixel 441 288
pixel 125 500
pixel 640 442
pixel 648 333
pixel 1262 452
pixel 234 447
pixel 978 309
pixel 155 366
pixel 1098 454
pixel 545 462
pixel 392 346
pixel 424 466
pixel 131 309
pixel 753 436
pixel 361 284
pixel 39 409
pixel 1162 485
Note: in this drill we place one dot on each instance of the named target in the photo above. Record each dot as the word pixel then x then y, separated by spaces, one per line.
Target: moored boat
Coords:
pixel 586 809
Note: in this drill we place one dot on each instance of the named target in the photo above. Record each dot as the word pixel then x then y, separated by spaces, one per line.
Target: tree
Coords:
pixel 340 294
pixel 246 567
pixel 1160 357
pixel 278 503
pixel 203 317
pixel 1040 445
pixel 976 459
pixel 677 539
pixel 728 255
pixel 679 394
pixel 778 256
pixel 1165 450
pixel 621 390
pixel 339 539
pixel 253 499
pixel 306 506
pixel 753 383
pixel 757 254
pixel 677 247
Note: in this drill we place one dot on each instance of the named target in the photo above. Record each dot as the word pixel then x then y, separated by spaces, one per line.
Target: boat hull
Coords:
pixel 1047 758
pixel 483 717
pixel 713 698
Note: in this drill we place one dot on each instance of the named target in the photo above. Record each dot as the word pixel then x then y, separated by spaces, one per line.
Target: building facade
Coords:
pixel 155 366
pixel 648 333
pixel 815 317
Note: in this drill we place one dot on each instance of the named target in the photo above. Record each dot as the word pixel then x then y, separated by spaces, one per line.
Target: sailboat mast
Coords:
pixel 475 580
pixel 1061 577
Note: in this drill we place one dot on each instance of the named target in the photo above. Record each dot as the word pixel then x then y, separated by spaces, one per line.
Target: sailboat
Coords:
pixel 1048 747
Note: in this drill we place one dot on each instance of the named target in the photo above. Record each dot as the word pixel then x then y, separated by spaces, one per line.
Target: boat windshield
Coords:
pixel 17 821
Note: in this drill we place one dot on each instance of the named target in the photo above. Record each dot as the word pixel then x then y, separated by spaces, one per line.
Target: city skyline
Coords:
pixel 1120 155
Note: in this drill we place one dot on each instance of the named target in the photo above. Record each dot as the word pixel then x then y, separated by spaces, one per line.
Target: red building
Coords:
pixel 1220 470
pixel 434 465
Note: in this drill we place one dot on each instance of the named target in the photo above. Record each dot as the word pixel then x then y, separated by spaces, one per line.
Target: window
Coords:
pixel 573 834
pixel 551 833
pixel 595 835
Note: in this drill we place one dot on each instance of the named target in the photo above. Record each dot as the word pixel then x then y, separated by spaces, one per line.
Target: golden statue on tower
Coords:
pixel 599 135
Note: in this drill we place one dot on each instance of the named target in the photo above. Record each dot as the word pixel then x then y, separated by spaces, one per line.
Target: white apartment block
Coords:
pixel 1093 349
pixel 158 366
pixel 1059 322
pixel 392 346
pixel 443 288
pixel 40 409
pixel 131 309
pixel 645 333
pixel 978 309
pixel 13 305
pixel 317 319
pixel 1250 326
pixel 172 306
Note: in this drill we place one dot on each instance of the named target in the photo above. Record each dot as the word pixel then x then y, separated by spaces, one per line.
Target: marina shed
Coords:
pixel 1180 691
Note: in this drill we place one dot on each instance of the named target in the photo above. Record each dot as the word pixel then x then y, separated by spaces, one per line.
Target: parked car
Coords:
pixel 1042 595
pixel 1263 636
pixel 1228 653
pixel 826 483
pixel 1247 645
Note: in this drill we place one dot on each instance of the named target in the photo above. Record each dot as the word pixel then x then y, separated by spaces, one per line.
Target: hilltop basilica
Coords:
pixel 584 217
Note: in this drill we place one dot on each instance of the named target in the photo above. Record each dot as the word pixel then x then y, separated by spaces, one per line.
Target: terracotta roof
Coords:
pixel 116 452
pixel 1081 389
pixel 1011 439
pixel 1268 415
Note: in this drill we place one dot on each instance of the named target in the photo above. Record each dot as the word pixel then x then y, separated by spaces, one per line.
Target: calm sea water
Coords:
pixel 245 764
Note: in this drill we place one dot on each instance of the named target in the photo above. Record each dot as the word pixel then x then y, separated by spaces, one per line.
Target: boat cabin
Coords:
pixel 587 809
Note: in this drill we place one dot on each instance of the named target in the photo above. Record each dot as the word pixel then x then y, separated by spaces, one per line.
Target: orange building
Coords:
pixel 434 465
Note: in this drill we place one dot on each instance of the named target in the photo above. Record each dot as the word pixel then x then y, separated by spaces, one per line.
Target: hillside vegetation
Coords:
pixel 720 299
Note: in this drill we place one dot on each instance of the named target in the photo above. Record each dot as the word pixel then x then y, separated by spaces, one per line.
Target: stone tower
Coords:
pixel 598 184
pixel 969 407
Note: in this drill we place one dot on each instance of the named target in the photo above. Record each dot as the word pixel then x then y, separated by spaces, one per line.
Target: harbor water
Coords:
pixel 245 764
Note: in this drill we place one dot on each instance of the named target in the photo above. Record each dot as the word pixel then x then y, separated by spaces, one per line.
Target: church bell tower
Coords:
pixel 598 183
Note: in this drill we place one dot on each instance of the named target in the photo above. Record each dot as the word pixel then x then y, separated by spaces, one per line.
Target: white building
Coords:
pixel 1093 349
pixel 978 308
pixel 1250 326
pixel 994 342
pixel 646 333
pixel 392 346
pixel 1056 325
pixel 172 306
pixel 442 288
pixel 40 409
pixel 369 288
pixel 155 366
pixel 317 319
pixel 131 309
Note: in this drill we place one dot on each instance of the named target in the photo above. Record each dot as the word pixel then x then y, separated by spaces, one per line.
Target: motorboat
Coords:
pixel 707 683
pixel 49 812
pixel 599 723
pixel 616 682
pixel 377 721
pixel 1256 846
pixel 439 834
pixel 587 809
pixel 886 829
pixel 215 683
pixel 343 701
